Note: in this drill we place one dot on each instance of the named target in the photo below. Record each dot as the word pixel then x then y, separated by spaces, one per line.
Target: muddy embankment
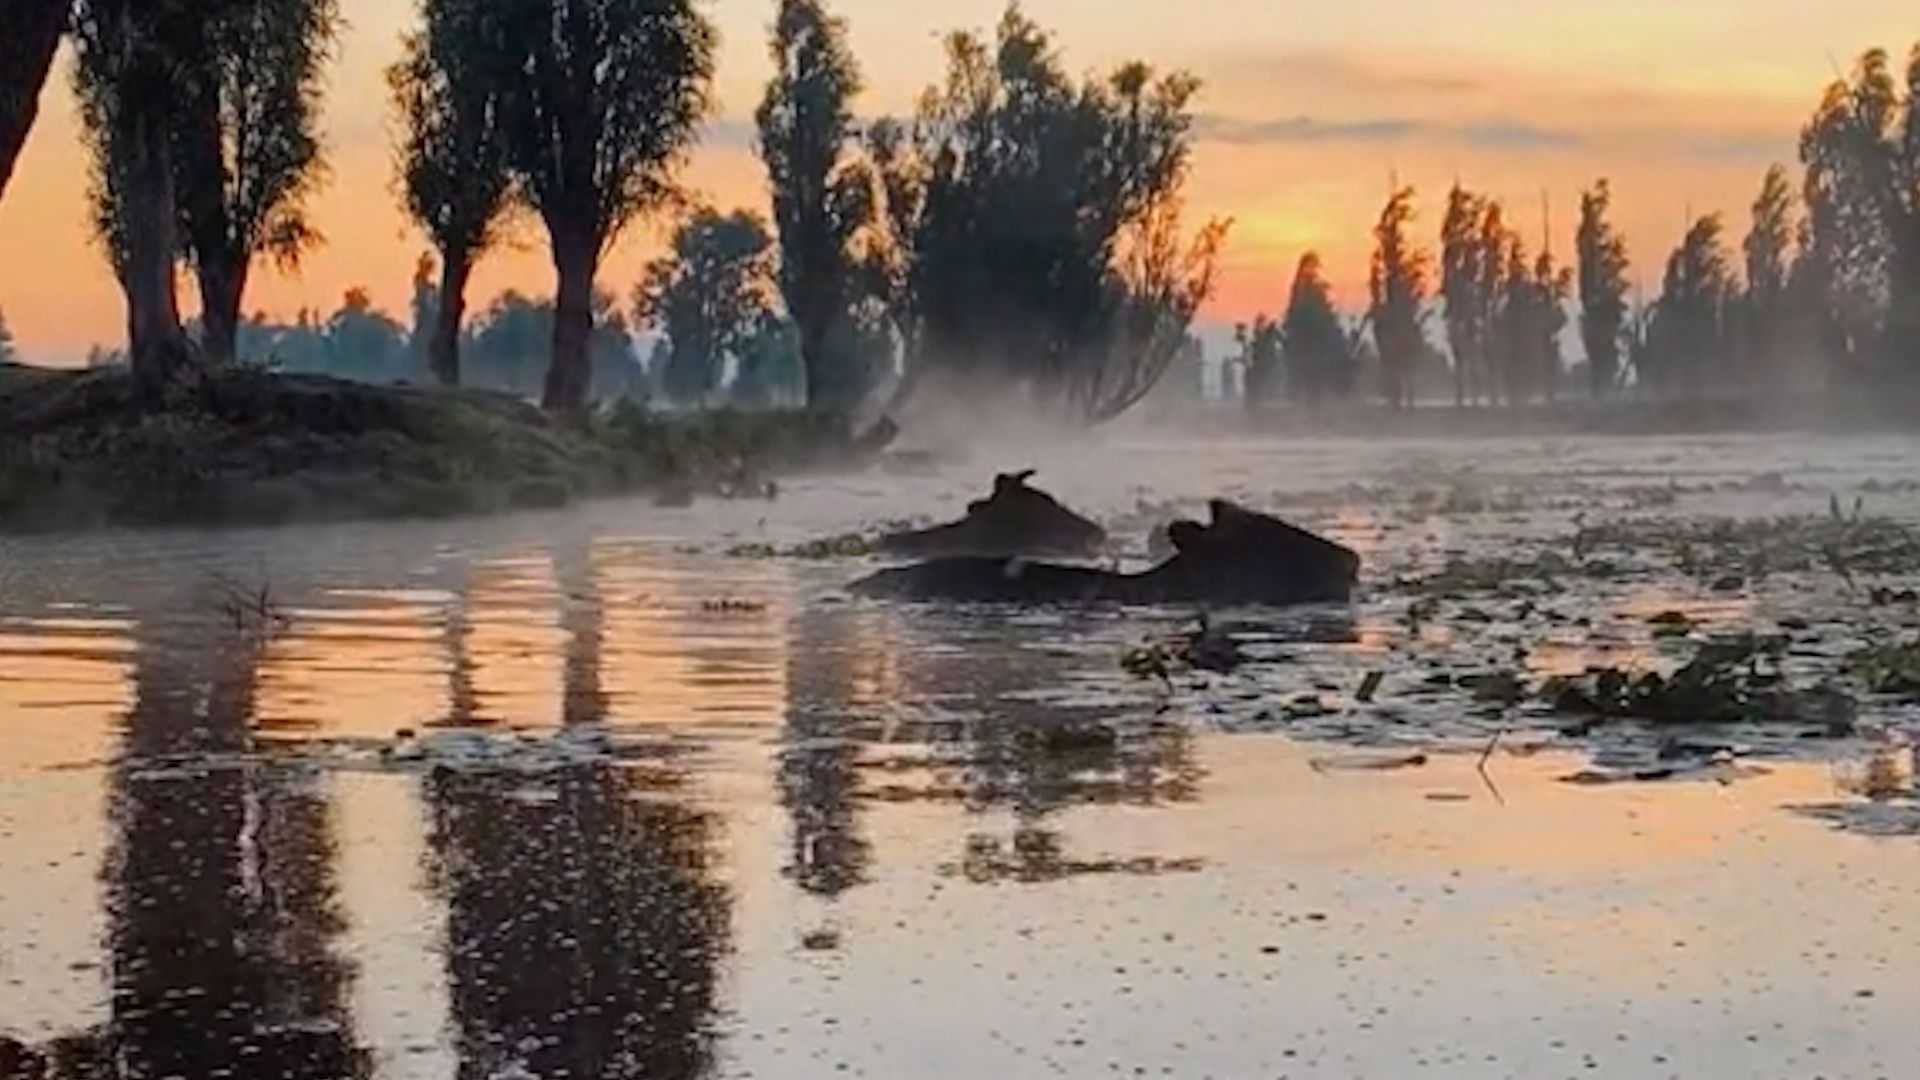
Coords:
pixel 84 450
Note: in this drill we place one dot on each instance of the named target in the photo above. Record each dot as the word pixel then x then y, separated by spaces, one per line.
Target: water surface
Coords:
pixel 589 796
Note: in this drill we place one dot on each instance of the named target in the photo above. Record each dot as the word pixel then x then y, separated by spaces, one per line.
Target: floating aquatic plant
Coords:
pixel 1735 679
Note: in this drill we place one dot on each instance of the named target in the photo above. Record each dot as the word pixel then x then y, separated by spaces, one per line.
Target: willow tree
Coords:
pixel 823 195
pixel 605 100
pixel 449 91
pixel 1398 284
pixel 130 57
pixel 1037 222
pixel 1602 265
pixel 29 36
pixel 247 148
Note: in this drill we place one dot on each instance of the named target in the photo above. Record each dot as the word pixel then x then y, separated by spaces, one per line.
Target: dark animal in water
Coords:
pixel 1242 558
pixel 1016 520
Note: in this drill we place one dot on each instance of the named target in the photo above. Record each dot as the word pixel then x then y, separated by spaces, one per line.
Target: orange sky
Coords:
pixel 1309 109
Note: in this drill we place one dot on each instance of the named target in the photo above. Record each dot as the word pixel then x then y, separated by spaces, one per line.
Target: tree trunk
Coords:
pixel 155 343
pixel 443 348
pixel 222 286
pixel 815 339
pixel 29 35
pixel 570 372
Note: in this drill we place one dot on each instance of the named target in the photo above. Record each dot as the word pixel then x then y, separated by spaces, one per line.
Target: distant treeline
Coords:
pixel 1823 291
pixel 504 346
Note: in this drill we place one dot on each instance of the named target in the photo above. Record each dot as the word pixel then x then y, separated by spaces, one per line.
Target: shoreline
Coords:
pixel 247 448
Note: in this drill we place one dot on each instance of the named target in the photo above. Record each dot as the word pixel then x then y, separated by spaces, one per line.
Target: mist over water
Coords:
pixel 593 795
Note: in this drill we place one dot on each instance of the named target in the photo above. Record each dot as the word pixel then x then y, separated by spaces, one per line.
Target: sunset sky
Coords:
pixel 1308 110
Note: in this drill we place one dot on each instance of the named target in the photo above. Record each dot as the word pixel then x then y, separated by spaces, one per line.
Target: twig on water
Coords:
pixel 1486 757
pixel 252 611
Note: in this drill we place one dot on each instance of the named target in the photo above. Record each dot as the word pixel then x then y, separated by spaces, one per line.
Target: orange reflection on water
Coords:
pixel 64 684
pixel 515 641
pixel 683 649
pixel 359 671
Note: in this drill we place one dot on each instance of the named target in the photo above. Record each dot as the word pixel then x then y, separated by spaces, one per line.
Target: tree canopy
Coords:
pixel 1862 157
pixel 1036 222
pixel 605 100
pixel 1603 264
pixel 29 37
pixel 1398 285
pixel 824 201
pixel 247 147
pixel 709 296
pixel 450 95
pixel 1687 335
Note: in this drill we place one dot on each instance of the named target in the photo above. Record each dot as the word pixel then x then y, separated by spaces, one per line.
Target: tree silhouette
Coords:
pixel 1767 303
pixel 772 372
pixel 606 98
pixel 1035 223
pixel 1514 332
pixel 823 197
pixel 130 56
pixel 1552 287
pixel 900 179
pixel 507 344
pixel 1261 358
pixel 223 914
pixel 247 148
pixel 709 295
pixel 1862 151
pixel 452 157
pixel 1161 284
pixel 1603 266
pixel 586 928
pixel 1470 272
pixel 1687 335
pixel 29 37
pixel 1398 285
pixel 1319 359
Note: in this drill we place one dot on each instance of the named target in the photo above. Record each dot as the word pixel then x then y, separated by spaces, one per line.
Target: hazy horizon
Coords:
pixel 1306 114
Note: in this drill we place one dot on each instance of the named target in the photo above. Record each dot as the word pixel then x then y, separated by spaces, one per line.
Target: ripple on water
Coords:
pixel 582 795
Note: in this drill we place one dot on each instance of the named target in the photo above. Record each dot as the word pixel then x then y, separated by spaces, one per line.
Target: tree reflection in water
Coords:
pixel 830 684
pixel 222 901
pixel 585 921
pixel 986 721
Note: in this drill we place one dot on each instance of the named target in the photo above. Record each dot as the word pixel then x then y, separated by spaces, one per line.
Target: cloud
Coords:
pixel 1731 144
pixel 1488 134
pixel 1325 73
